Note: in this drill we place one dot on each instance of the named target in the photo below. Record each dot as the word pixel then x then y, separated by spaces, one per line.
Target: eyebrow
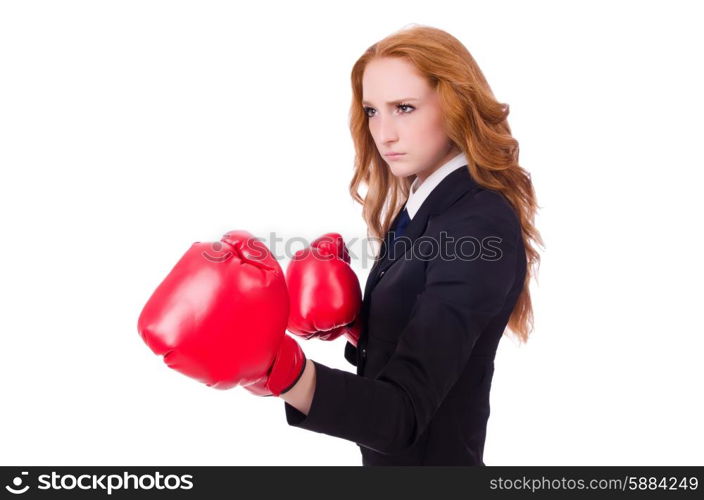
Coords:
pixel 399 101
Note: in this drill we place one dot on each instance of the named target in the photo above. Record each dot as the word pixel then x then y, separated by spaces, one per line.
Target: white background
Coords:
pixel 130 129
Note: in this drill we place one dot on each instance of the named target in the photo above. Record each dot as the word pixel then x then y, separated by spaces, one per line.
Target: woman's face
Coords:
pixel 405 117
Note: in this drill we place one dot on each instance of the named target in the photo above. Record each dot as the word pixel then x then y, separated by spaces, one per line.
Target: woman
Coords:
pixel 456 213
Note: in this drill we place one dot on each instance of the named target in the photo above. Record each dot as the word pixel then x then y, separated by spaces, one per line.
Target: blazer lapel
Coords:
pixel 452 187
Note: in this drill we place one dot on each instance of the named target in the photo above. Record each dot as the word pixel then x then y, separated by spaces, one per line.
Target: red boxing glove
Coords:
pixel 220 317
pixel 324 292
pixel 351 332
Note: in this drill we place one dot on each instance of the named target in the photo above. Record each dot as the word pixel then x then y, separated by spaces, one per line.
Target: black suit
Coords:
pixel 432 324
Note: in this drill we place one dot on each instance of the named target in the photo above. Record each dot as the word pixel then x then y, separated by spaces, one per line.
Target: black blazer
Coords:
pixel 432 318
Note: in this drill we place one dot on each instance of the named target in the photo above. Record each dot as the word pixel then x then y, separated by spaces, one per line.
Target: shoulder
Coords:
pixel 482 210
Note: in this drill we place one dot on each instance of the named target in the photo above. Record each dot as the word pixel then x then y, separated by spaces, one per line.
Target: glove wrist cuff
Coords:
pixel 287 368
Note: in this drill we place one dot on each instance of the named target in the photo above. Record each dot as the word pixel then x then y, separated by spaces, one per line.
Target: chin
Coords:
pixel 401 172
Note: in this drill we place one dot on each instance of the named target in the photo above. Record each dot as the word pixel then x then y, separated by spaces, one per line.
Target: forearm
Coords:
pixel 374 413
pixel 301 394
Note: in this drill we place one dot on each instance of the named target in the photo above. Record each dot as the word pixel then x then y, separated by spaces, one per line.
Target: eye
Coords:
pixel 405 106
pixel 400 105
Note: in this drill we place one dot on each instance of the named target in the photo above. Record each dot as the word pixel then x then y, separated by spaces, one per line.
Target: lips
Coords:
pixel 394 155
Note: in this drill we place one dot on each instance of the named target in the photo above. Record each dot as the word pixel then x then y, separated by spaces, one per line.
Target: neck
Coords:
pixel 421 176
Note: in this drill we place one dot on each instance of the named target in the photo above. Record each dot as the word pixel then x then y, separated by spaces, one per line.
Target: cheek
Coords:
pixel 373 130
pixel 434 127
pixel 428 131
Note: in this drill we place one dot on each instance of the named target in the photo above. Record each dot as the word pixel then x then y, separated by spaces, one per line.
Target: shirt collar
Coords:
pixel 418 193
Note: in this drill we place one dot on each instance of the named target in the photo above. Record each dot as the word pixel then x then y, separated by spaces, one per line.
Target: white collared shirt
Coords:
pixel 420 193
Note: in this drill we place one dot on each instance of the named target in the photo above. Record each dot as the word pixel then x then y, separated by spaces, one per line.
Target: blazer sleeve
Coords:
pixel 390 412
pixel 351 353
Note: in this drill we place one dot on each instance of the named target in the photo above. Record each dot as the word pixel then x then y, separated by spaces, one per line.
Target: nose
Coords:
pixel 387 130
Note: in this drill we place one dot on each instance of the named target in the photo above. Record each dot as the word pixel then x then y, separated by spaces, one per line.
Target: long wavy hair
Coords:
pixel 474 121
